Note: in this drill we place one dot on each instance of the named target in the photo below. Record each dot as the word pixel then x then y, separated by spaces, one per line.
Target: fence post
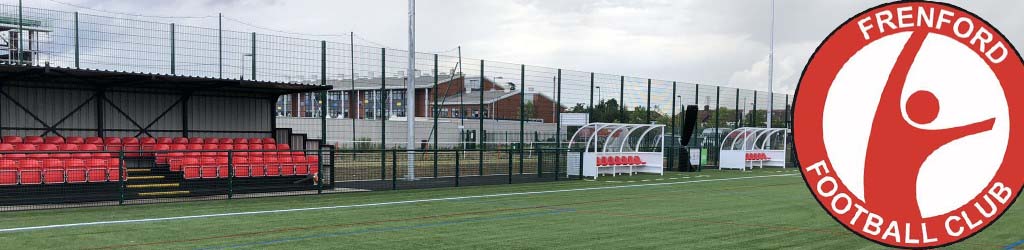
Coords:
pixel 522 115
pixel 76 41
pixel 121 176
pixel 383 120
pixel 753 113
pixel 540 163
pixel 394 170
pixel 172 49
pixel 622 99
pixel 458 163
pixel 253 56
pixel 558 124
pixel 436 113
pixel 481 134
pixel 701 147
pixel 509 165
pixel 737 109
pixel 20 32
pixel 673 148
pixel 580 168
pixel 648 113
pixel 718 123
pixel 334 179
pixel 231 174
pixel 220 45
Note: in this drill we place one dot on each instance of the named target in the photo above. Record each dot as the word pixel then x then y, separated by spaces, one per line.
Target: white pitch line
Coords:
pixel 17 229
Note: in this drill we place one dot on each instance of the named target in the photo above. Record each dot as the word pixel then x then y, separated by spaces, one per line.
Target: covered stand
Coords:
pixel 613 148
pixel 749 147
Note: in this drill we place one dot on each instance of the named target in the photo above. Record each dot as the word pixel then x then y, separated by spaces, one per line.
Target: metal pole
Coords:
pixel 383 120
pixel 394 169
pixel 771 66
pixel 522 115
pixel 737 110
pixel 718 124
pixel 172 49
pixel 590 110
pixel 648 101
pixel 753 114
pixel 220 45
pixel 410 95
pixel 76 41
pixel 673 149
pixel 558 124
pixel 323 111
pixel 622 99
pixel 458 165
pixel 254 56
pixel 354 96
pixel 231 175
pixel 436 109
pixel 20 32
pixel 480 134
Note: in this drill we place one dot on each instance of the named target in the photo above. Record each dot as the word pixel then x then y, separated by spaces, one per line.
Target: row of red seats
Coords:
pixel 217 167
pixel 131 140
pixel 757 156
pixel 629 160
pixel 88 151
pixel 181 151
pixel 58 171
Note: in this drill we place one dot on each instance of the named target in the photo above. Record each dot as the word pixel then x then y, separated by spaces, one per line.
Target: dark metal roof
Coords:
pixel 114 79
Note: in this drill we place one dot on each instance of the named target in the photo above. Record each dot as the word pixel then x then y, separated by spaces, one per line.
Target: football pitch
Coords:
pixel 712 209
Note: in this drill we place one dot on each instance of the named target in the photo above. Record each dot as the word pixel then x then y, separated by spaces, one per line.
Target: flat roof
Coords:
pixel 172 83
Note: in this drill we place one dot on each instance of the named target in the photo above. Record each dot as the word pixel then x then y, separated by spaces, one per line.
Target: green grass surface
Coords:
pixel 756 213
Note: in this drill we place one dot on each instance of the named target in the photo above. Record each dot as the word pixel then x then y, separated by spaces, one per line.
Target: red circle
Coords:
pixel 922 107
pixel 808 112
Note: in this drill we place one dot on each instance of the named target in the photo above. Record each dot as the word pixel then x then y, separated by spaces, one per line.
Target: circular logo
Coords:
pixel 904 122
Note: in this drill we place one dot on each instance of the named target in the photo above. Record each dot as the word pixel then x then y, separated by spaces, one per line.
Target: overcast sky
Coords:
pixel 710 42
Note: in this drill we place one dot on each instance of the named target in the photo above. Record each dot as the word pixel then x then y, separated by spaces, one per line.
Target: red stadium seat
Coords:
pixel 164 140
pixel 131 146
pixel 160 153
pixel 314 163
pixel 53 140
pixel 96 170
pixel 196 140
pixel 210 149
pixel 53 171
pixel 194 150
pixel 191 168
pixel 270 150
pixel 112 144
pixel 223 149
pixel 86 148
pixel 8 172
pixel 257 167
pixel 114 170
pixel 222 167
pixel 33 139
pixel 45 151
pixel 301 166
pixel 30 171
pixel 241 149
pixel 288 164
pixel 12 139
pixel 256 149
pixel 94 140
pixel 255 141
pixel 207 168
pixel 241 166
pixel 175 157
pixel 240 141
pixel 273 165
pixel 599 161
pixel 269 141
pixel 66 150
pixel 75 140
pixel 180 140
pixel 75 169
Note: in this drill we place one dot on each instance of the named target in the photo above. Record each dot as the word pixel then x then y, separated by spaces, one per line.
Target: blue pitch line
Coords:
pixel 1015 244
pixel 393 229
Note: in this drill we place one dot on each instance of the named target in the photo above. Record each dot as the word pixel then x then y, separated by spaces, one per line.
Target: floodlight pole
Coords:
pixel 771 66
pixel 410 94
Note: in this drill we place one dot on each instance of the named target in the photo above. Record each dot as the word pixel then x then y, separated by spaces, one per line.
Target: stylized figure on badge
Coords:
pixel 897 148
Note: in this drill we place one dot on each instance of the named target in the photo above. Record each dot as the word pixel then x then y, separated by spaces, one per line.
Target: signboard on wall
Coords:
pixel 575 119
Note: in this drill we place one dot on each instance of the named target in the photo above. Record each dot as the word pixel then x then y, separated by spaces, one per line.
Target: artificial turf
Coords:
pixel 755 213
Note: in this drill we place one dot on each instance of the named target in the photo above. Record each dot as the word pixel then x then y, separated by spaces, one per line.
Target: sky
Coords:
pixel 722 42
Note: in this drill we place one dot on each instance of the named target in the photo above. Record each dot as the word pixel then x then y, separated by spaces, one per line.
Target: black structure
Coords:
pixel 689 123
